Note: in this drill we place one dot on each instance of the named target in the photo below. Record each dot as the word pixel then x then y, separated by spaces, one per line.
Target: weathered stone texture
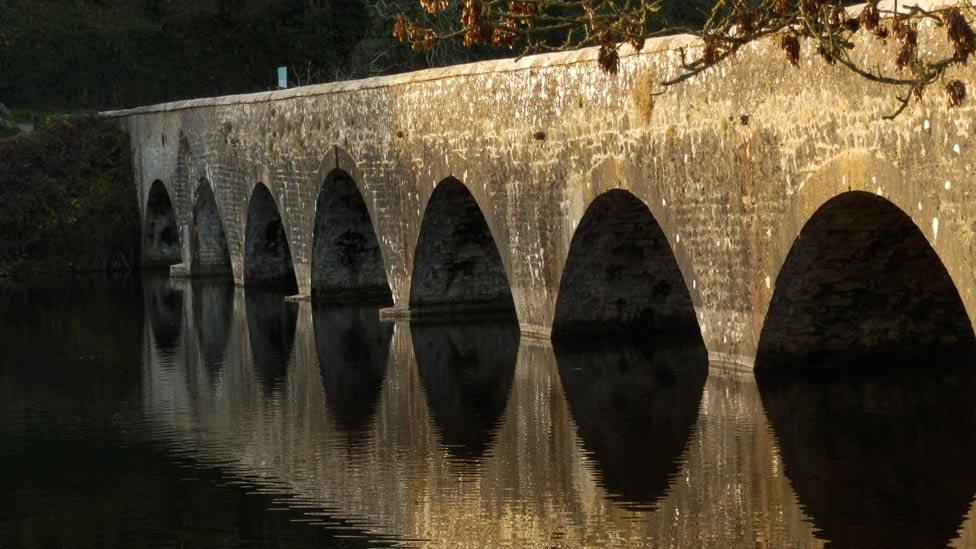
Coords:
pixel 209 254
pixel 729 192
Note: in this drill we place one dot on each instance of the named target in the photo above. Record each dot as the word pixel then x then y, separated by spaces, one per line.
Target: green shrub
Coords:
pixel 67 199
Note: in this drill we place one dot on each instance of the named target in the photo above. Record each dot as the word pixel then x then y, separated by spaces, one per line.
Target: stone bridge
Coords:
pixel 756 203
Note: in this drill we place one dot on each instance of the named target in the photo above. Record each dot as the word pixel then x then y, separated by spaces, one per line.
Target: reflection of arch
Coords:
pixel 347 263
pixel 161 235
pixel 467 370
pixel 165 305
pixel 267 256
pixel 271 328
pixel 353 348
pixel 456 266
pixel 213 303
pixel 878 460
pixel 621 274
pixel 634 408
pixel 209 254
pixel 861 282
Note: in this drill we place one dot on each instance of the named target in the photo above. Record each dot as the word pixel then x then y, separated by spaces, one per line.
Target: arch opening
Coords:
pixel 267 256
pixel 457 267
pixel 209 255
pixel 161 234
pixel 347 263
pixel 621 277
pixel 862 286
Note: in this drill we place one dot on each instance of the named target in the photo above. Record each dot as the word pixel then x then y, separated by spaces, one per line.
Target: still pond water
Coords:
pixel 155 413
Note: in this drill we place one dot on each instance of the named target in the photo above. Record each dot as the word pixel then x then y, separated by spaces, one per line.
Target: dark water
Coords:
pixel 149 413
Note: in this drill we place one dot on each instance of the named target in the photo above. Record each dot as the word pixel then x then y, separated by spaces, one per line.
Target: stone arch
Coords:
pixel 347 264
pixel 161 234
pixel 209 253
pixel 457 267
pixel 621 276
pixel 862 284
pixel 267 254
pixel 867 171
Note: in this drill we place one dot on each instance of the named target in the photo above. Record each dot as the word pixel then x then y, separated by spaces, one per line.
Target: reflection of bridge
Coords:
pixel 582 200
pixel 561 460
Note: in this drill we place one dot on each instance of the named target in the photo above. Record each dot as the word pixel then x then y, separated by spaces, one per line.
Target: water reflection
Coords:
pixel 879 458
pixel 271 327
pixel 466 369
pixel 634 407
pixel 213 309
pixel 353 349
pixel 473 399
pixel 75 468
pixel 165 306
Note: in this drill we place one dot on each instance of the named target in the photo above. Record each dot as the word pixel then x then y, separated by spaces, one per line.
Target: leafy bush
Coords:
pixel 67 200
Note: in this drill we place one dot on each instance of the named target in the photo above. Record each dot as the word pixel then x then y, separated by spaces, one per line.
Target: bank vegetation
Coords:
pixel 67 199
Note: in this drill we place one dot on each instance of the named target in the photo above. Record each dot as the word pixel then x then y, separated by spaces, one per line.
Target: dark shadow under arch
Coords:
pixel 209 255
pixel 861 285
pixel 161 235
pixel 267 256
pixel 621 276
pixel 456 265
pixel 347 263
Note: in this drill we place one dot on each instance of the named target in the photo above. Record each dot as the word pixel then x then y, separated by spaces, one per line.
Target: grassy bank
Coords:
pixel 67 201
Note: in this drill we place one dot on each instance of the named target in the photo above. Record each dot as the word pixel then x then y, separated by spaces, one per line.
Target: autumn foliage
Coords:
pixel 829 29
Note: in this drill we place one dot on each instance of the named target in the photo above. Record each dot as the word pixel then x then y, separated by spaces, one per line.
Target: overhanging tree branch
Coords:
pixel 724 27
